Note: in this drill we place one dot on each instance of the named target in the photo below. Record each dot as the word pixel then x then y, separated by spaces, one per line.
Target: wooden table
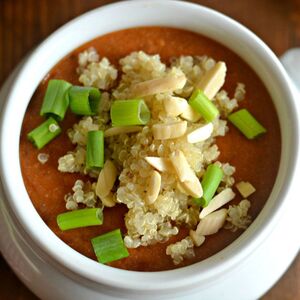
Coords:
pixel 25 23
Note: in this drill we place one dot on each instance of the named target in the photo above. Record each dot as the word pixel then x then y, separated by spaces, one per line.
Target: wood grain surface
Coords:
pixel 25 23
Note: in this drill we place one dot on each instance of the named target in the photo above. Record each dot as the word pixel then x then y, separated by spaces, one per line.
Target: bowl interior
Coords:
pixel 133 14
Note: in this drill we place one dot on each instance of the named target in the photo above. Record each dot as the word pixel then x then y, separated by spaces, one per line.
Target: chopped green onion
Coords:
pixel 129 112
pixel 201 104
pixel 109 246
pixel 56 100
pixel 44 133
pixel 80 218
pixel 84 100
pixel 210 182
pixel 95 149
pixel 246 123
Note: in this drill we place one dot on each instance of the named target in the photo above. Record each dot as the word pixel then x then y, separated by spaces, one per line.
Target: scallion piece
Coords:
pixel 84 100
pixel 80 218
pixel 210 182
pixel 43 134
pixel 95 149
pixel 129 112
pixel 246 123
pixel 56 100
pixel 201 104
pixel 109 247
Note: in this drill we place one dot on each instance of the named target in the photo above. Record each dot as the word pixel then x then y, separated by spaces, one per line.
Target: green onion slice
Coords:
pixel 210 182
pixel 95 149
pixel 246 123
pixel 43 134
pixel 56 100
pixel 201 104
pixel 84 100
pixel 129 112
pixel 109 246
pixel 80 218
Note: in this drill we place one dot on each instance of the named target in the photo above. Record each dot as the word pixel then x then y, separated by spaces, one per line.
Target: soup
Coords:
pixel 253 160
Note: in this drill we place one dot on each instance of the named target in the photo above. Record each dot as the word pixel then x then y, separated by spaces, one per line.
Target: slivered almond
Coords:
pixel 169 131
pixel 198 240
pixel 218 201
pixel 181 166
pixel 185 174
pixel 153 188
pixel 190 114
pixel 118 130
pixel 160 85
pixel 161 164
pixel 106 179
pixel 212 222
pixel 213 80
pixel 193 188
pixel 245 188
pixel 174 106
pixel 109 200
pixel 200 134
pixel 181 188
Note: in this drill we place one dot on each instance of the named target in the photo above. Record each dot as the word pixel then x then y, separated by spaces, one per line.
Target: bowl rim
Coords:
pixel 202 272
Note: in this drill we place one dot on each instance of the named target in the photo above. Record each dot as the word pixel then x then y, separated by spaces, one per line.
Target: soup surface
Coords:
pixel 256 160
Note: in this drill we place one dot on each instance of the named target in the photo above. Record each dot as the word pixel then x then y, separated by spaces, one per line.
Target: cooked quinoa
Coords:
pixel 238 217
pixel 180 250
pixel 149 223
pixel 100 74
pixel 82 193
pixel 43 158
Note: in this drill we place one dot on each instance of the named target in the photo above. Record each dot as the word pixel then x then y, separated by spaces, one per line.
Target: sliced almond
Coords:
pixel 174 106
pixel 245 188
pixel 153 188
pixel 169 131
pixel 212 223
pixel 213 80
pixel 198 240
pixel 119 130
pixel 185 174
pixel 106 179
pixel 218 201
pixel 161 164
pixel 190 114
pixel 200 134
pixel 109 200
pixel 160 85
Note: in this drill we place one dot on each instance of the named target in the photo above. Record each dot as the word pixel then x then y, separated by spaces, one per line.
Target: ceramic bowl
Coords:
pixel 120 283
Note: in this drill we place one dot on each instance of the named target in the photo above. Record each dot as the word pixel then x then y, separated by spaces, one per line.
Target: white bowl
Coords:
pixel 207 277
